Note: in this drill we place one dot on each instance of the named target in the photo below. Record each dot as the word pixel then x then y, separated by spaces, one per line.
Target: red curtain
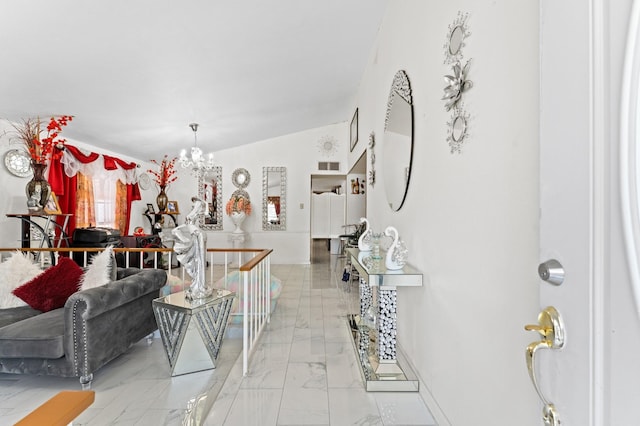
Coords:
pixel 65 186
pixel 133 191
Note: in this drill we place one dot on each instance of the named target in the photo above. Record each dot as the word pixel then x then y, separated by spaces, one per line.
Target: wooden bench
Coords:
pixel 60 410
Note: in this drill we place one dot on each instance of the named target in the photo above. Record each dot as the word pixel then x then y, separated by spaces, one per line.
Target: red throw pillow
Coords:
pixel 51 289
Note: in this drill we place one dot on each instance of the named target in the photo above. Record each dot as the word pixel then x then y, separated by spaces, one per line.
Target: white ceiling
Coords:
pixel 135 73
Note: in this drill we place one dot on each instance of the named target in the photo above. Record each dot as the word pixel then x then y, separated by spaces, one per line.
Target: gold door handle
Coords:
pixel 551 328
pixel 531 366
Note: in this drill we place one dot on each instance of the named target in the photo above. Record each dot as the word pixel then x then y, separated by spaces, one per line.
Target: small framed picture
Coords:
pixel 52 206
pixel 353 131
pixel 150 209
pixel 172 207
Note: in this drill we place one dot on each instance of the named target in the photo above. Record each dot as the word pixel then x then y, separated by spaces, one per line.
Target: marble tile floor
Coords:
pixel 303 372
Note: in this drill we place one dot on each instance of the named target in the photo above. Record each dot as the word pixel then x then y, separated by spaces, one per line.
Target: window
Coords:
pixel 104 193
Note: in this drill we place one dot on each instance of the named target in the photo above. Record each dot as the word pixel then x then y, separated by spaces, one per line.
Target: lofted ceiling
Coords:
pixel 135 73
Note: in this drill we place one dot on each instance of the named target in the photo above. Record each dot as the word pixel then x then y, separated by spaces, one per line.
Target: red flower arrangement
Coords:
pixel 167 172
pixel 238 203
pixel 41 143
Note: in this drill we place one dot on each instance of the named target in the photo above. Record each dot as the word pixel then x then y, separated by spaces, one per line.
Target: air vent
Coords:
pixel 329 165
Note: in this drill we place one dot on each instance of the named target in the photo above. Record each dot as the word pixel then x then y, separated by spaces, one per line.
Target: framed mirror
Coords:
pixel 458 32
pixel 210 190
pixel 455 40
pixel 397 143
pixel 457 129
pixel 241 178
pixel 274 198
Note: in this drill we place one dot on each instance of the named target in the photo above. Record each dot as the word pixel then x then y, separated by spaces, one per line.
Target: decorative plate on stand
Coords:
pixel 144 181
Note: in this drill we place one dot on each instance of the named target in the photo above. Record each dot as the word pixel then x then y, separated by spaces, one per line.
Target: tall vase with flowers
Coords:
pixel 238 208
pixel 42 145
pixel 163 178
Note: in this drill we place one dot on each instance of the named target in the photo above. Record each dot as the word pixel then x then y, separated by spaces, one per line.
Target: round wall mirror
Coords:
pixel 458 32
pixel 455 40
pixel 397 143
pixel 458 128
pixel 241 178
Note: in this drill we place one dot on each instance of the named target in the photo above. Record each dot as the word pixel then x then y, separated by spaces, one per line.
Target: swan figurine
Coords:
pixel 364 241
pixel 397 253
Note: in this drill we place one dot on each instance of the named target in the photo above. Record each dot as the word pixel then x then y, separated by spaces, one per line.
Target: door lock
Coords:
pixel 551 271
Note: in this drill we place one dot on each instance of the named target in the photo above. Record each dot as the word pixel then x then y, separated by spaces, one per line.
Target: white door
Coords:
pixel 572 201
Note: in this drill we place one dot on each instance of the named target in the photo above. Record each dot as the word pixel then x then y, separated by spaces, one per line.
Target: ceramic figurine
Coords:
pixel 364 241
pixel 397 253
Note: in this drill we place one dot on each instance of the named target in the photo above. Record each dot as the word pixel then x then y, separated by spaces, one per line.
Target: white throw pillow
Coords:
pixel 100 270
pixel 15 271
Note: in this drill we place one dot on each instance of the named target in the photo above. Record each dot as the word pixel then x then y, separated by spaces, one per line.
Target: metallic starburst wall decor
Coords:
pixel 456 36
pixel 372 157
pixel 457 83
pixel 327 145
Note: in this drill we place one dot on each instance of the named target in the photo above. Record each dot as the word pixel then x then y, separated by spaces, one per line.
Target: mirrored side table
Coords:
pixel 192 331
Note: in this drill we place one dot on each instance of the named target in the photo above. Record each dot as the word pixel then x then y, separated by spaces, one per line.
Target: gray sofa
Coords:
pixel 94 327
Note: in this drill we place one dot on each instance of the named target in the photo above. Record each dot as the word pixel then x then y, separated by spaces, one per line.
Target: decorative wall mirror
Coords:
pixel 457 129
pixel 210 191
pixel 241 178
pixel 397 143
pixel 457 83
pixel 458 32
pixel 372 156
pixel 274 198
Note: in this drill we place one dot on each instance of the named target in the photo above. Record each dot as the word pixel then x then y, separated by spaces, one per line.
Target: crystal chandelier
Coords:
pixel 197 160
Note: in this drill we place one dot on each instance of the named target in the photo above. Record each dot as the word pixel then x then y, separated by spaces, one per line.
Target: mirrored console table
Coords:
pixel 374 329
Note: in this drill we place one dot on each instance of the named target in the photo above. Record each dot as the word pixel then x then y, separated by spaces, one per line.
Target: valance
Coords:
pixel 111 168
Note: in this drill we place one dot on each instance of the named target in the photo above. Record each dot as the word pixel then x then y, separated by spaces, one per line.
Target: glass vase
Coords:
pixel 37 189
pixel 375 246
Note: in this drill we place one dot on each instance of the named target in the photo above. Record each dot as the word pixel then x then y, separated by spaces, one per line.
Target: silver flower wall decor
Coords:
pixel 457 83
pixel 372 157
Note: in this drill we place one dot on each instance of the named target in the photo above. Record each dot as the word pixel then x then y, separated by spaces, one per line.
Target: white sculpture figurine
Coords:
pixel 190 249
pixel 364 241
pixel 397 253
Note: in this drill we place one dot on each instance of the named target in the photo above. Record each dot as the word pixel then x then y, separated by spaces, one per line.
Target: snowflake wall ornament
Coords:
pixel 327 145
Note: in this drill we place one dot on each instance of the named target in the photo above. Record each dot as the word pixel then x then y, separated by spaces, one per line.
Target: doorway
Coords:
pixel 327 215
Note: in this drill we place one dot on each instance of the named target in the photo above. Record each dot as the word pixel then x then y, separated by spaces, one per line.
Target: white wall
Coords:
pixel 470 220
pixel 299 153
